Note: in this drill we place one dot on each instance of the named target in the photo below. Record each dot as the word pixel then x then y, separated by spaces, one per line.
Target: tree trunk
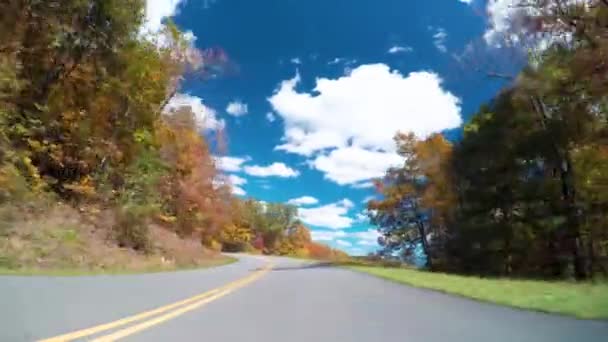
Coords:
pixel 425 244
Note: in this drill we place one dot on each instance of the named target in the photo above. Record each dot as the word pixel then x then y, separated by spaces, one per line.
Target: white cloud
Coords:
pixel 399 49
pixel 503 16
pixel 343 243
pixel 236 180
pixel 347 124
pixel 332 216
pixel 367 199
pixel 468 2
pixel 296 61
pixel 510 22
pixel 233 181
pixel 274 169
pixel 346 203
pixel 374 101
pixel 237 108
pixel 231 164
pixel 439 38
pixel 367 243
pixel 363 185
pixel 156 11
pixel 237 190
pixel 327 235
pixel 367 238
pixel 304 200
pixel 356 251
pixel 205 117
pixel 350 165
pixel 361 217
pixel 270 117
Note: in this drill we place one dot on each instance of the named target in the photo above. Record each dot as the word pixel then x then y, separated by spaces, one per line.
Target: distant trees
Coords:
pixel 270 228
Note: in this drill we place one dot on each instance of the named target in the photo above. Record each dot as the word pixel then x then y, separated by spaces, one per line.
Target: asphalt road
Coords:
pixel 294 301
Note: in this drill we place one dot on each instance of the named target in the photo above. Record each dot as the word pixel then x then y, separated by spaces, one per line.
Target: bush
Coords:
pixel 131 228
pixel 13 186
pixel 235 238
pixel 211 244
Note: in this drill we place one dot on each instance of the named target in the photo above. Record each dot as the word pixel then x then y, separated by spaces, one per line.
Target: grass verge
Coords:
pixel 69 272
pixel 582 300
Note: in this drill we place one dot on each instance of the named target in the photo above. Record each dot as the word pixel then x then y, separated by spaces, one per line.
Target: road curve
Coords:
pixel 295 301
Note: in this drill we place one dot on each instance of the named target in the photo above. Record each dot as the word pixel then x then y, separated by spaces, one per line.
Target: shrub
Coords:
pixel 13 186
pixel 235 238
pixel 131 228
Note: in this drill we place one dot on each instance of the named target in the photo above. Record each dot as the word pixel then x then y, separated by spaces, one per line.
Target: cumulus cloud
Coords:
pixel 343 243
pixel 350 165
pixel 231 164
pixel 205 117
pixel 272 170
pixel 361 217
pixel 346 203
pixel 511 23
pixel 363 185
pixel 237 108
pixel 233 181
pixel 296 61
pixel 237 190
pixel 327 235
pixel 332 216
pixel 157 10
pixel 347 124
pixel 468 2
pixel 367 238
pixel 304 200
pixel 236 180
pixel 367 199
pixel 399 49
pixel 439 38
pixel 366 108
pixel 503 17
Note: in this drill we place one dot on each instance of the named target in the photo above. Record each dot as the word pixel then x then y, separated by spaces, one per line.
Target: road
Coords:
pixel 293 301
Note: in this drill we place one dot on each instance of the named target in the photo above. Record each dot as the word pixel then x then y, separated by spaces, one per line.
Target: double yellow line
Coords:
pixel 159 315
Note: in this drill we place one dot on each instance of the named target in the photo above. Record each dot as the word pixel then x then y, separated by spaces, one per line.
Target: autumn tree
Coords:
pixel 417 198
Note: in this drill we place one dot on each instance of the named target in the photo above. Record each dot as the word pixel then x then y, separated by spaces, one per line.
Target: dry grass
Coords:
pixel 65 241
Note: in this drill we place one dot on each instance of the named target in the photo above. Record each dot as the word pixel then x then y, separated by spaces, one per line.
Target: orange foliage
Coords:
pixel 200 208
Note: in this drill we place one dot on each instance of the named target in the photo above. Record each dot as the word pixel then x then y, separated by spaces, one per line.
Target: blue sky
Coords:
pixel 318 88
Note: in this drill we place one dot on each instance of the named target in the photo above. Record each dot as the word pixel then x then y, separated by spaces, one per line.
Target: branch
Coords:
pixel 162 106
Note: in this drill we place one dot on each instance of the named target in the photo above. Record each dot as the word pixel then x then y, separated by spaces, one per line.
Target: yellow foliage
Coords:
pixel 233 234
pixel 85 187
pixel 167 219
pixel 32 175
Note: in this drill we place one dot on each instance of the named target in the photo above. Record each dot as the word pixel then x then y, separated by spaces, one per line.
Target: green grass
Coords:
pixel 582 300
pixel 67 272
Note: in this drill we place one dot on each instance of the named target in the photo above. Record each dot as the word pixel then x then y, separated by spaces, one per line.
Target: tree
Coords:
pixel 417 197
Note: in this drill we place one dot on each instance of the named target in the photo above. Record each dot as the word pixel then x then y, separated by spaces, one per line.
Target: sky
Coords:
pixel 317 89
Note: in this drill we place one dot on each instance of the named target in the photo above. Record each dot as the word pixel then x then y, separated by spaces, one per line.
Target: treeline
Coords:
pixel 525 191
pixel 271 228
pixel 84 119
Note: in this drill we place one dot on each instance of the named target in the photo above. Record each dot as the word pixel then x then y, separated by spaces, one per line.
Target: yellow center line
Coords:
pixel 175 313
pixel 192 303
